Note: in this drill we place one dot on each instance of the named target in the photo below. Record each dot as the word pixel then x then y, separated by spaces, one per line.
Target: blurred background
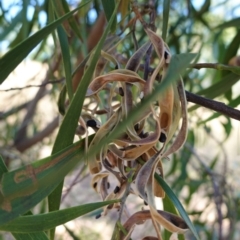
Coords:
pixel 204 174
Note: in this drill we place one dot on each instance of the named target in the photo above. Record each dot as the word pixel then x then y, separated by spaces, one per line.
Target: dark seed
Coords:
pixel 136 127
pixel 145 203
pixel 121 92
pixel 117 189
pixel 94 185
pixel 162 137
pixel 143 134
pixel 108 185
pixel 98 216
pixel 165 55
pixel 91 123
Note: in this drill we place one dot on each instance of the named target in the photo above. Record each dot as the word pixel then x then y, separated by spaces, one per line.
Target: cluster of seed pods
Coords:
pixel 134 157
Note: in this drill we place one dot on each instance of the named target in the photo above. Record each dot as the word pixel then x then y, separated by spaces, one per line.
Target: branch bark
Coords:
pixel 213 105
pixel 21 134
pixel 28 142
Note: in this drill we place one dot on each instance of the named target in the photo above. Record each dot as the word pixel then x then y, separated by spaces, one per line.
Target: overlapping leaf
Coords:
pixel 46 221
pixel 11 59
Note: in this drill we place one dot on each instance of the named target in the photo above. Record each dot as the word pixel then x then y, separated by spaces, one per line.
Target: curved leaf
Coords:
pixel 46 221
pixel 166 9
pixel 66 60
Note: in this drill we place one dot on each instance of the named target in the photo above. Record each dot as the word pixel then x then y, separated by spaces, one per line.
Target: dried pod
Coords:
pixel 166 107
pixel 116 190
pixel 97 178
pixel 182 134
pixel 98 216
pixel 121 92
pixel 105 129
pixel 98 83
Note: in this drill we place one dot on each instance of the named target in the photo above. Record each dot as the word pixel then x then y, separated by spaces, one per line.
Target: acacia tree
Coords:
pixel 124 80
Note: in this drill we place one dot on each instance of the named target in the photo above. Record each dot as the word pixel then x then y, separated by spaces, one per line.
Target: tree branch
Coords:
pixel 217 66
pixel 21 134
pixel 28 142
pixel 214 105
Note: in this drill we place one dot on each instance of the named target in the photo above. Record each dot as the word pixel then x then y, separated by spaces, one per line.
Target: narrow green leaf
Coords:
pixel 108 7
pixel 231 50
pixel 30 236
pixel 117 229
pixel 166 9
pixel 71 233
pixel 233 69
pixel 168 206
pixel 25 22
pixel 51 19
pixel 61 8
pixel 25 187
pixel 232 23
pixel 177 204
pixel 24 236
pixel 72 21
pixel 46 221
pixel 67 129
pixel 11 59
pixel 28 179
pixel 3 167
pixel 21 204
pixel 66 59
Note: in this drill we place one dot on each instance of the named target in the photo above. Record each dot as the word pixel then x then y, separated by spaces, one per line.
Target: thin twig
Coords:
pixel 124 198
pixel 217 66
pixel 135 42
pixel 30 86
pixel 74 182
pixel 4 115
